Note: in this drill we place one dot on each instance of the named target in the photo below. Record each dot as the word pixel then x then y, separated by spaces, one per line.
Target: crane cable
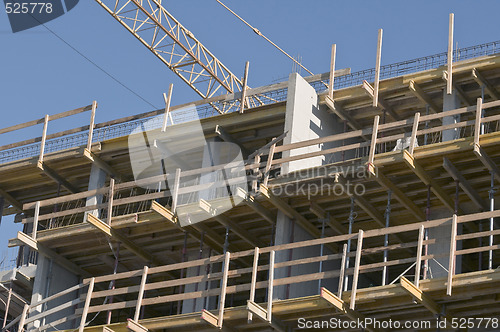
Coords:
pixel 257 31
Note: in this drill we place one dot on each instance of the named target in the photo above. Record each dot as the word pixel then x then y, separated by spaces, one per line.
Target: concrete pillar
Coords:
pixel 304 120
pixel 443 234
pixel 50 278
pixel 97 180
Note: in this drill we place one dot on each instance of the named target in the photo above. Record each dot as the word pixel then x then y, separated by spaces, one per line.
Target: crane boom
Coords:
pixel 173 44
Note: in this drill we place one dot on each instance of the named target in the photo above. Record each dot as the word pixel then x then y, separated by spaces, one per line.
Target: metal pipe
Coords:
pixel 386 237
pixel 112 284
pixel 426 237
pixel 351 221
pixel 181 288
pixel 200 256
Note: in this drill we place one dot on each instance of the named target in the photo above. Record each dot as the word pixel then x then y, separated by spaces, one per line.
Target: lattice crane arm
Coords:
pixel 173 44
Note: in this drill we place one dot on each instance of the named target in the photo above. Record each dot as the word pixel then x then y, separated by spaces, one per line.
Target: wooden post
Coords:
pixel 270 286
pixel 222 298
pixel 453 246
pixel 377 68
pixel 342 271
pixel 421 234
pixel 449 83
pixel 477 124
pixel 2 203
pixel 356 270
pixel 175 195
pixel 23 317
pixel 244 88
pixel 255 186
pixel 141 294
pixel 44 138
pixel 373 143
pixel 35 220
pixel 332 71
pixel 87 305
pixel 268 164
pixel 91 127
pixel 110 200
pixel 167 100
pixel 254 279
pixel 414 130
pixel 7 307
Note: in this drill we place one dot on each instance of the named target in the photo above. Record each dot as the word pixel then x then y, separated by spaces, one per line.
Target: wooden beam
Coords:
pixel 428 180
pixel 340 305
pixel 462 95
pixel 377 68
pixel 244 88
pixel 335 108
pixel 464 184
pixel 332 71
pixel 118 236
pixel 479 78
pixel 134 326
pixel 168 114
pixel 226 137
pixel 102 164
pixel 331 221
pixel 452 257
pixel 381 102
pixel 487 161
pixel 56 177
pixel 293 214
pixel 422 96
pixel 424 299
pixel 399 195
pixel 449 83
pixel 14 202
pixel 250 200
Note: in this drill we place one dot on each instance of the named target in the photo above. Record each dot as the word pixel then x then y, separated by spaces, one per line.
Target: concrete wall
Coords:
pixel 97 180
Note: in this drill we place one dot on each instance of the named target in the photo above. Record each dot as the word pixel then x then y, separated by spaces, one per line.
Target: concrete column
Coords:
pixel 50 278
pixel 97 180
pixel 443 233
pixel 304 120
pixel 199 303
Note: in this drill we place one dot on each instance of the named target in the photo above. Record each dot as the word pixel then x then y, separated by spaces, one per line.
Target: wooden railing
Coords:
pixel 161 285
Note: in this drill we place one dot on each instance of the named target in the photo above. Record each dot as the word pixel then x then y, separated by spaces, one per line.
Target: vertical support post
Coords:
pixel 91 127
pixel 377 68
pixel 386 236
pixel 269 161
pixel 342 271
pixel 2 203
pixel 87 305
pixel 421 234
pixel 35 220
pixel 449 83
pixel 332 71
pixel 492 220
pixel 138 305
pixel 167 99
pixel 477 124
pixel 222 298
pixel 322 249
pixel 272 255
pixel 175 190
pixel 7 305
pixel 110 200
pixel 351 221
pixel 44 138
pixel 453 246
pixel 255 185
pixel 254 279
pixel 414 130
pixel 373 143
pixel 356 270
pixel 244 88
pixel 23 317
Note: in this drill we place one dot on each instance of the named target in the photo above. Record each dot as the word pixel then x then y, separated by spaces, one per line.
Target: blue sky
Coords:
pixel 41 75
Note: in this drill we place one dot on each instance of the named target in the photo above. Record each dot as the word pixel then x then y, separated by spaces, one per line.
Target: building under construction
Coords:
pixel 340 197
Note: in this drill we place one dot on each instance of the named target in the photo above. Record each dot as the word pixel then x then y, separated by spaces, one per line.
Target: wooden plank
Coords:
pixel 244 88
pixel 477 124
pixel 449 83
pixel 270 286
pixel 175 189
pixel 487 161
pixel 452 259
pixel 91 126
pixel 464 184
pixel 134 326
pixel 56 177
pixel 377 68
pixel 420 94
pixel 35 220
pixel 141 294
pixel 86 306
pixel 210 318
pixel 478 77
pixel 222 297
pixel 421 234
pixel 254 280
pixel 226 137
pixel 110 200
pixel 419 296
pixel 356 270
pixel 240 231
pixel 342 271
pixel 14 202
pixel 335 108
pixel 164 212
pixel 332 71
pixel 269 163
pixel 102 164
pixel 23 318
pixel 334 224
pixel 251 201
pixel 44 138
pixel 255 309
pixel 414 130
pixel 167 100
pixel 373 141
